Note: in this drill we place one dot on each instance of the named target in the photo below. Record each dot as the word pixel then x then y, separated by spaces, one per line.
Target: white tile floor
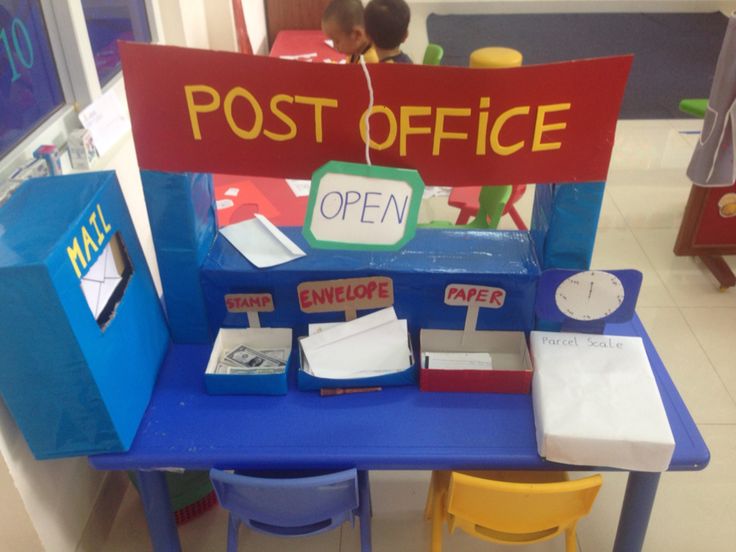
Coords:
pixel 692 325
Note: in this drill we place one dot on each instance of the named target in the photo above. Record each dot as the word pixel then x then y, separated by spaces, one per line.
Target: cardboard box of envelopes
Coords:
pixel 83 330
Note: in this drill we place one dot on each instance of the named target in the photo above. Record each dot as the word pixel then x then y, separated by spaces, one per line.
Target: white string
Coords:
pixel 368 113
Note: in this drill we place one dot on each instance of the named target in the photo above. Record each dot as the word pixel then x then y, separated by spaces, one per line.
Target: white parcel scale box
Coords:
pixel 596 402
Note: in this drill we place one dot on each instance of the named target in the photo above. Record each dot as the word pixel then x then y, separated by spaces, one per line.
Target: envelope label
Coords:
pixel 249 302
pixel 482 296
pixel 346 294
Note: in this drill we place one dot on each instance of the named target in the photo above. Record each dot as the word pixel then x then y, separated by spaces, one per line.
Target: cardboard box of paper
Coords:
pixel 511 370
pixel 373 350
pixel 596 402
pixel 259 339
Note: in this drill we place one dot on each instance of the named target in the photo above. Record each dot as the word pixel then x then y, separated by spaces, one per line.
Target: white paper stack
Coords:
pixel 372 345
pixel 596 402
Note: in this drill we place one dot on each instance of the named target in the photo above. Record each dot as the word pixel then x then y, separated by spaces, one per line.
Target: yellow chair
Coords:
pixel 496 57
pixel 515 507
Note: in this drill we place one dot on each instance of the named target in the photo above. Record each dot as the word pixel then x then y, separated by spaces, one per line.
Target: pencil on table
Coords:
pixel 325 392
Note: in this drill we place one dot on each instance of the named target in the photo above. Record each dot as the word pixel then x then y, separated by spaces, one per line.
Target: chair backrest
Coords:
pixel 502 511
pixel 270 503
pixel 433 54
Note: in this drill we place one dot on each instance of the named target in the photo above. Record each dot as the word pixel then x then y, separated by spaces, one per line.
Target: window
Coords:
pixel 56 56
pixel 29 84
pixel 109 21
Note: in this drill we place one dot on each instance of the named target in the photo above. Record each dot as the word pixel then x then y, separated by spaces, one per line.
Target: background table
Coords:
pixel 397 428
pixel 272 197
pixel 301 43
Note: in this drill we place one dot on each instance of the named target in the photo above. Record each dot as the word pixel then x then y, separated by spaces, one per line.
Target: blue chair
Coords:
pixel 294 506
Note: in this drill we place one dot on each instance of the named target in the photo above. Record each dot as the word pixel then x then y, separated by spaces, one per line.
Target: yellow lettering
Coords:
pixel 407 112
pixel 194 109
pixel 496 145
pixel 392 127
pixel 283 117
pixel 318 104
pixel 227 106
pixel 105 227
pixel 75 254
pixel 540 127
pixel 88 241
pixel 439 126
pixel 93 222
pixel 480 143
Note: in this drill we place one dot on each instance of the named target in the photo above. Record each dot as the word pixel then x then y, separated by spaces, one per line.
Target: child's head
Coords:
pixel 342 22
pixel 387 22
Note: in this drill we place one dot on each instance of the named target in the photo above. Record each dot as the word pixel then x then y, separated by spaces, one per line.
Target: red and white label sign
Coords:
pixel 462 295
pixel 233 114
pixel 346 294
pixel 249 302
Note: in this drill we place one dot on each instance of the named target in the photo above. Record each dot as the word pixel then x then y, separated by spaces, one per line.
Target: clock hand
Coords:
pixel 590 291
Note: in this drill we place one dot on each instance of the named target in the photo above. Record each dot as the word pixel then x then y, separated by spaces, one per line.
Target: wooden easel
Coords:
pixel 696 210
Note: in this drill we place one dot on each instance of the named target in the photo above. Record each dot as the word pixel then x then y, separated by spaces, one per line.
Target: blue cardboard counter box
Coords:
pixel 420 273
pixel 82 327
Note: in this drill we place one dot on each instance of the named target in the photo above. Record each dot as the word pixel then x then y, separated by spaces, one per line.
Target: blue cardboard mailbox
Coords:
pixel 83 332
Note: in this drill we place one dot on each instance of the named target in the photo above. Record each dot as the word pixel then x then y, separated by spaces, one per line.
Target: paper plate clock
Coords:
pixel 585 301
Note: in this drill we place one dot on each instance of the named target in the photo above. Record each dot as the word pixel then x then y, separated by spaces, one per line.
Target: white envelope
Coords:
pixel 259 241
pixel 596 402
pixel 372 345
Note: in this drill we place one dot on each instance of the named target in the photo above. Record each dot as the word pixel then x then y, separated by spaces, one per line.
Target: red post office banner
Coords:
pixel 206 111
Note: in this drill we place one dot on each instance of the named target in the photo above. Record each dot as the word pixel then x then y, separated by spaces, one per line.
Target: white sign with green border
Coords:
pixel 354 206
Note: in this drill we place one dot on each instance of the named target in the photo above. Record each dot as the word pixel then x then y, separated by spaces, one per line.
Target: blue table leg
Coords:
pixel 366 510
pixel 157 507
pixel 641 489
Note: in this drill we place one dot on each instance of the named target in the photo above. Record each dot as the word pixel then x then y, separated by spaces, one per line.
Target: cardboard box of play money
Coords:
pixel 250 361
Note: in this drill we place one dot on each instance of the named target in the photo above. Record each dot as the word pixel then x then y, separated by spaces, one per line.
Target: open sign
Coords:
pixel 354 206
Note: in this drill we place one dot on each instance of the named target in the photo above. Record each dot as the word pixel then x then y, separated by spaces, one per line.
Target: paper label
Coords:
pixel 346 294
pixel 461 295
pixel 353 206
pixel 249 302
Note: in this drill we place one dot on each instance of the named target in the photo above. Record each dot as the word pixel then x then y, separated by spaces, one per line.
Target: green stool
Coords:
pixel 433 54
pixel 493 199
pixel 491 202
pixel 694 107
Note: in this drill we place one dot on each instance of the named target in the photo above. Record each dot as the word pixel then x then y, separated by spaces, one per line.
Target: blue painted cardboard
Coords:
pixel 73 387
pixel 181 210
pixel 564 223
pixel 420 272
pixel 261 384
pixel 308 382
pixel 249 384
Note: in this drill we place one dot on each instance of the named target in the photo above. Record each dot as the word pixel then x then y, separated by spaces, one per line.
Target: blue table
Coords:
pixel 398 428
